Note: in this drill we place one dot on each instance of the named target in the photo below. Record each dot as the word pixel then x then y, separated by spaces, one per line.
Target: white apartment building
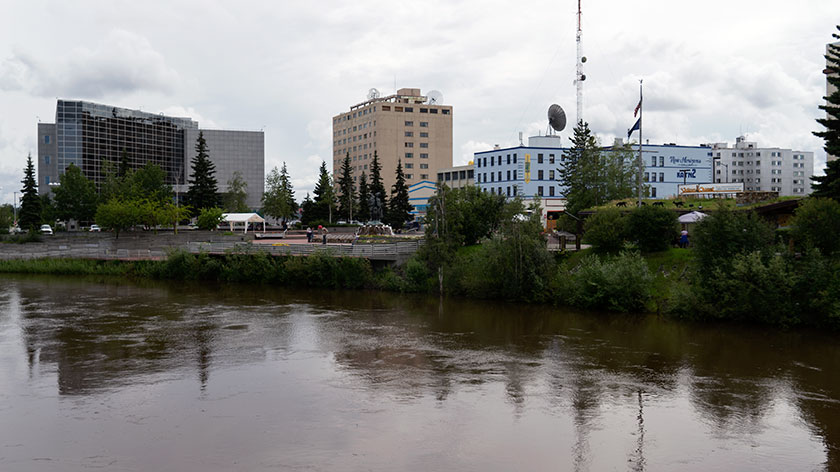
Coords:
pixel 764 169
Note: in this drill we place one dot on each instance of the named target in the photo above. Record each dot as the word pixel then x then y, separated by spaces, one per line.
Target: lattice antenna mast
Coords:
pixel 579 75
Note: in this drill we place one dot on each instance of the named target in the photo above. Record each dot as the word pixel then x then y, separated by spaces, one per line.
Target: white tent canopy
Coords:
pixel 692 217
pixel 243 218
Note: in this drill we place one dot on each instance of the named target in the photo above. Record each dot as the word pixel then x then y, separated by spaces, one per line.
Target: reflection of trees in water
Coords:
pixel 102 335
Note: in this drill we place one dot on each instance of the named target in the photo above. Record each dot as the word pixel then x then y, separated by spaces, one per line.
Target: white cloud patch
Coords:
pixel 121 63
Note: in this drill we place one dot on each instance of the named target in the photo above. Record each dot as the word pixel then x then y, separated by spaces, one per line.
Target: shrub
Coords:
pixel 817 224
pixel 209 218
pixel 606 230
pixel 722 235
pixel 652 228
pixel 619 283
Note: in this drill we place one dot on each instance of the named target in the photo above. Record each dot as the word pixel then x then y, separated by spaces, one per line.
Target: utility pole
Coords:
pixel 641 163
pixel 14 208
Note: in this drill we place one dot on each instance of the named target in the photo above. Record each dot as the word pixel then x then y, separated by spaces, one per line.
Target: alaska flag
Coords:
pixel 635 127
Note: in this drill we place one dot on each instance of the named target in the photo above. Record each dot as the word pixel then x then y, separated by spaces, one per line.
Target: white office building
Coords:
pixel 764 169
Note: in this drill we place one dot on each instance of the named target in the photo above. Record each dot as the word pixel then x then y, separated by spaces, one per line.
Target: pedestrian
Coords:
pixel 684 239
pixel 324 232
pixel 309 234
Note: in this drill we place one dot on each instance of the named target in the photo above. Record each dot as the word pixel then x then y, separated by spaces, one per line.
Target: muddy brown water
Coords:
pixel 183 377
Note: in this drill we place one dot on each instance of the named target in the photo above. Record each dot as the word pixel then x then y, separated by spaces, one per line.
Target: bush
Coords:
pixel 817 224
pixel 619 283
pixel 722 235
pixel 606 230
pixel 209 218
pixel 652 228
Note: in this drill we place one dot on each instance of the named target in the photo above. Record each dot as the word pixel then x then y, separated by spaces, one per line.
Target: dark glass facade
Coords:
pixel 89 135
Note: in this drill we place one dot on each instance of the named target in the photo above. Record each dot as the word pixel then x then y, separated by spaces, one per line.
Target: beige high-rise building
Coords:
pixel 406 126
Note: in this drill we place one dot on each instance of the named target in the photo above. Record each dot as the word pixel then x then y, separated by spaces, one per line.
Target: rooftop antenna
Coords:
pixel 579 75
pixel 556 119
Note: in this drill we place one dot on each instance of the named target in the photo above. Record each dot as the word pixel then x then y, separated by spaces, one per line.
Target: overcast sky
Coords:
pixel 712 69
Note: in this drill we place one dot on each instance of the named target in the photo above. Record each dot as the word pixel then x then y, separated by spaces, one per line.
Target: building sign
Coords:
pixel 685 160
pixel 708 189
pixel 527 168
pixel 687 173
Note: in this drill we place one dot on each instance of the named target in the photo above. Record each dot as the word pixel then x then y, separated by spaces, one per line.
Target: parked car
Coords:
pixel 46 229
pixel 95 229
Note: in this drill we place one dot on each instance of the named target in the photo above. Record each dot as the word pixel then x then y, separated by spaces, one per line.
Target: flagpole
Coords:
pixel 641 162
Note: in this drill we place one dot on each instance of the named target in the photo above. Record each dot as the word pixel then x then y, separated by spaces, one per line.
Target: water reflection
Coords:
pixel 582 391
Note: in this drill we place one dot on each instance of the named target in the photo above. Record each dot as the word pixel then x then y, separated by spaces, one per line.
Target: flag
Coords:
pixel 638 125
pixel 638 107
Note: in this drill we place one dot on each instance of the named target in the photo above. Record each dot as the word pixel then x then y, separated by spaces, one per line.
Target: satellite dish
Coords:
pixel 373 94
pixel 556 117
pixel 433 97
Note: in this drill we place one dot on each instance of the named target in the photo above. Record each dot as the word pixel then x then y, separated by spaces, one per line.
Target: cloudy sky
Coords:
pixel 712 69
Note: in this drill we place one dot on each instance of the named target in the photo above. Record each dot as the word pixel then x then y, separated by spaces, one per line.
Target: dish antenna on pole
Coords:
pixel 556 117
pixel 433 97
pixel 373 94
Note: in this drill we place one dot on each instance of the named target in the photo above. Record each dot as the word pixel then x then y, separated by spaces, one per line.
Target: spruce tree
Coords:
pixel 347 197
pixel 581 170
pixel 203 191
pixel 364 199
pixel 324 195
pixel 30 203
pixel 399 208
pixel 378 199
pixel 287 194
pixel 828 185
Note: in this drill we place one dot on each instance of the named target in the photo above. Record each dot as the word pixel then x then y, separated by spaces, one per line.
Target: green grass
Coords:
pixel 66 267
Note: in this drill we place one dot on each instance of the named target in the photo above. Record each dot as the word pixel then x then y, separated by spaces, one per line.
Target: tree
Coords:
pixel 30 203
pixel 817 224
pixel 347 191
pixel 364 197
pixel 171 214
pixel 377 201
pixel 308 213
pixel 234 198
pixel 606 230
pixel 118 215
pixel 828 185
pixel 464 216
pixel 722 235
pixel 148 182
pixel 209 218
pixel 76 197
pixel 324 196
pixel 203 191
pixel 279 196
pixel 6 216
pixel 399 207
pixel 113 185
pixel 652 228
pixel 592 176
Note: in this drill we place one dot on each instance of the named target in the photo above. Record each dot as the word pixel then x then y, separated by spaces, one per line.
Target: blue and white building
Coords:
pixel 533 170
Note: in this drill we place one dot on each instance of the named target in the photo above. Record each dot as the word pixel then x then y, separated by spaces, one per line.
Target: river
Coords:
pixel 194 377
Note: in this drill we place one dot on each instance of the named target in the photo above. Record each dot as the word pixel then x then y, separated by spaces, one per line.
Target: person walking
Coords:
pixel 309 234
pixel 684 239
pixel 324 233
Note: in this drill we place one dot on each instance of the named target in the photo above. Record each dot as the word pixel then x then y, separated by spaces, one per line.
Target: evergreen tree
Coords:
pixel 308 213
pixel 124 166
pixel 592 176
pixel 828 185
pixel 324 195
pixel 364 202
pixel 347 197
pixel 279 197
pixel 377 200
pixel 30 203
pixel 399 208
pixel 203 191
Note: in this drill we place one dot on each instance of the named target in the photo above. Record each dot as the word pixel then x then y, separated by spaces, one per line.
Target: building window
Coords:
pixel 433 111
pixel 662 177
pixel 508 175
pixel 653 192
pixel 508 191
pixel 445 111
pixel 440 176
pixel 500 176
pixel 424 110
pixel 409 134
pixel 508 159
pixel 653 176
pixel 47 179
pixel 424 124
pixel 540 190
pixel 539 158
pixel 409 176
pixel 540 174
pixel 514 158
pixel 409 155
pixel 424 145
pixel 647 176
pixel 46 160
pixel 424 134
pixel 470 173
pixel 551 175
pixel 551 191
pixel 46 139
pixel 662 161
pixel 551 158
pixel 424 166
pixel 409 165
pixel 409 145
pixel 424 155
pixel 492 177
pixel 653 161
pixel 424 176
pixel 409 110
pixel 409 123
